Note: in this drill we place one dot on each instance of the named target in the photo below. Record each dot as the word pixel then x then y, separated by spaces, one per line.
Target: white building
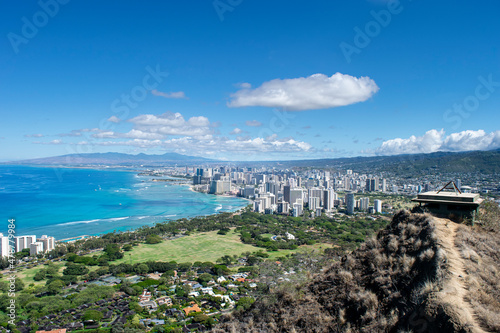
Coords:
pixel 4 246
pixel 36 248
pixel 364 203
pixel 47 242
pixel 377 204
pixel 23 242
pixel 296 194
pixel 298 209
pixel 314 202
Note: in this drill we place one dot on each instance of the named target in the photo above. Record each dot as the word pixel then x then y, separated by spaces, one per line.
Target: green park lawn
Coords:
pixel 206 246
pixel 27 275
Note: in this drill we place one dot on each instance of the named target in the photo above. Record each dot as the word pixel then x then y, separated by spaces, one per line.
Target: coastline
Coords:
pixel 114 202
pixel 192 189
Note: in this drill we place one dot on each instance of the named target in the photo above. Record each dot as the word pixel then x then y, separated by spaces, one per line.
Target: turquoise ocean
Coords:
pixel 70 202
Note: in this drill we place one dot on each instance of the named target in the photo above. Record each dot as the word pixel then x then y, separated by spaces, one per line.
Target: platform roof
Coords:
pixel 472 199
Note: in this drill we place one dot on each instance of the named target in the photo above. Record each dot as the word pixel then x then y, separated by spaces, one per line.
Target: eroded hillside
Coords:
pixel 420 274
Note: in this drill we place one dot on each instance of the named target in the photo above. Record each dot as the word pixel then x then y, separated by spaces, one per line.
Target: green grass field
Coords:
pixel 27 275
pixel 207 246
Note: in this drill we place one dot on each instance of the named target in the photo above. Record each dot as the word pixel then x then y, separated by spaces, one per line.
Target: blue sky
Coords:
pixel 249 80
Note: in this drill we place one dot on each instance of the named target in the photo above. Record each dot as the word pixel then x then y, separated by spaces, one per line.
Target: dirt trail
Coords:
pixel 454 288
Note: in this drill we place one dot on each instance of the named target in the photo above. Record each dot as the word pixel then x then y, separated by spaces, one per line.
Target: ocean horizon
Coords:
pixel 71 202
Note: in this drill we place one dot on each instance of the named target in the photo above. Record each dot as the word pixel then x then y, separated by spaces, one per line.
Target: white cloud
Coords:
pixel 172 124
pixel 132 134
pixel 76 133
pixel 53 142
pixel 178 94
pixel 317 91
pixel 221 145
pixel 34 135
pixel 194 136
pixel 434 140
pixel 253 123
pixel 236 131
pixel 244 85
pixel 472 140
pixel 114 119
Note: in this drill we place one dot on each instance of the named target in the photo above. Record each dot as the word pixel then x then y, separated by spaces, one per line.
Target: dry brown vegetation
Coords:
pixel 420 274
pixel 481 253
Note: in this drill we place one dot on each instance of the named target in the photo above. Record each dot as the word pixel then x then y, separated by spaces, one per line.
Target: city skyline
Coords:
pixel 240 80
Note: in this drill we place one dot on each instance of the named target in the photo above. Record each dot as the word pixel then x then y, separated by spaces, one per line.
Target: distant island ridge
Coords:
pixel 487 162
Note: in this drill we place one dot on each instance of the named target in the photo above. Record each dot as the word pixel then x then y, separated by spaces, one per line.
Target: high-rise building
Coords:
pixel 364 203
pixel 350 202
pixel 36 248
pixel 4 246
pixel 23 242
pixel 249 191
pixel 372 184
pixel 220 186
pixel 260 178
pixel 298 209
pixel 377 204
pixel 48 243
pixel 384 185
pixel 286 193
pixel 283 207
pixel 316 192
pixel 328 199
pixel 295 195
pixel 314 202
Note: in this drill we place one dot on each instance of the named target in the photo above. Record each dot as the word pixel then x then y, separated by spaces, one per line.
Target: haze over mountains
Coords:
pixel 114 159
pixel 487 162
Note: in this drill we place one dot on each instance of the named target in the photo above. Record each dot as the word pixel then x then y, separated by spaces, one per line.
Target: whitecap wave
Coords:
pixel 94 221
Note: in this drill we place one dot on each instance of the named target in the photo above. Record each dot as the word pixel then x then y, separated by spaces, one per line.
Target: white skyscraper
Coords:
pixel 314 202
pixel 364 203
pixel 48 243
pixel 23 242
pixel 377 204
pixel 36 248
pixel 295 195
pixel 4 246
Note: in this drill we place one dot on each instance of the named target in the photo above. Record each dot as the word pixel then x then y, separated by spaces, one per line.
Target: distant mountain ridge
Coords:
pixel 115 159
pixel 485 162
